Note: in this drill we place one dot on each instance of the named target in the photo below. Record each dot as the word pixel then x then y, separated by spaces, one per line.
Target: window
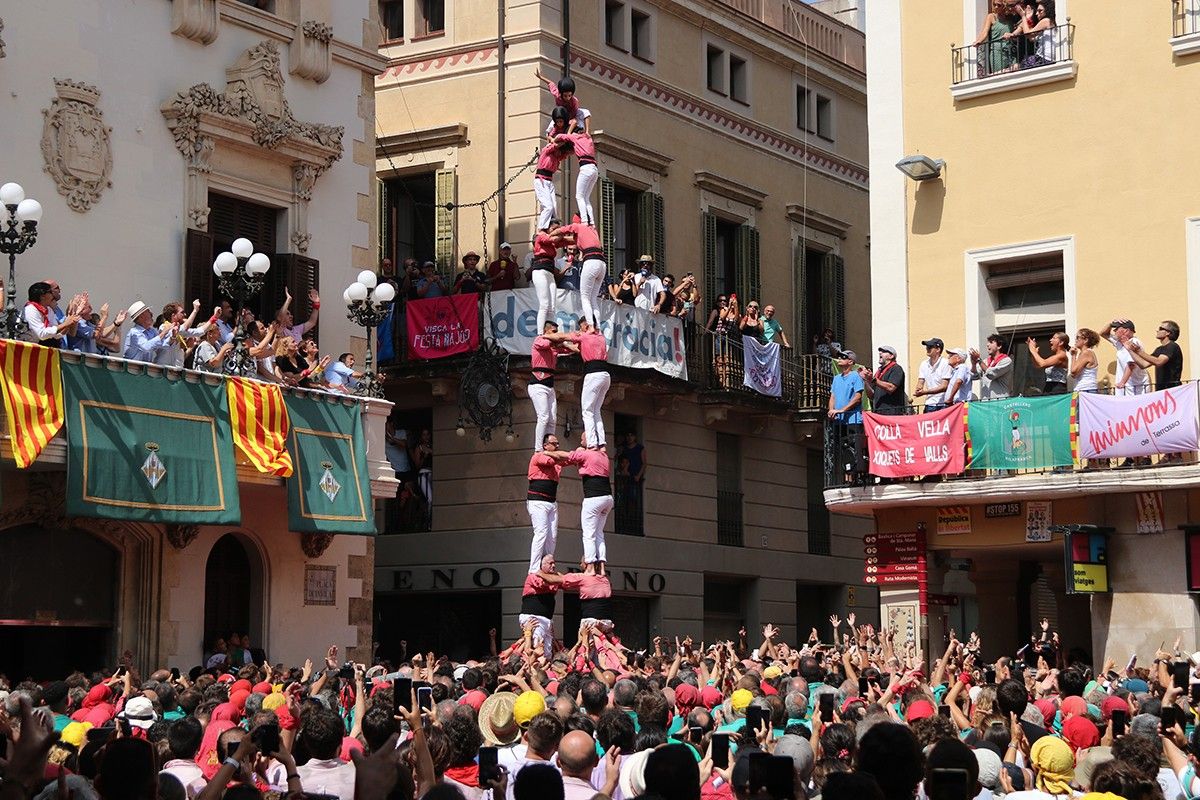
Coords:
pixel 641 35
pixel 629 495
pixel 724 606
pixel 818 514
pixel 738 82
pixel 820 296
pixel 824 117
pixel 631 224
pixel 614 24
pixel 432 17
pixel 716 69
pixel 814 112
pixel 802 97
pixel 407 229
pixel 391 16
pixel 1026 282
pixel 731 260
pixel 409 511
pixel 263 5
pixel 729 490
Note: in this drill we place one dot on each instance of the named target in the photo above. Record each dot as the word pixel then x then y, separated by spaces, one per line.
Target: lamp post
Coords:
pixel 240 274
pixel 18 231
pixel 368 304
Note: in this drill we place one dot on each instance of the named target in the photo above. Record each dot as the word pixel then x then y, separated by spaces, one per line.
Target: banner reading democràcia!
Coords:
pixel 1138 425
pixel 442 326
pixel 1020 432
pixel 636 338
pixel 761 363
pixel 917 444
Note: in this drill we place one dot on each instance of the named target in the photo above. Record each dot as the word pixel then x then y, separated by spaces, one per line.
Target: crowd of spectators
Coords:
pixel 857 714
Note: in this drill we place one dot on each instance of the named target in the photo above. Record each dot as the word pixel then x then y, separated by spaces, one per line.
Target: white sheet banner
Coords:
pixel 761 362
pixel 636 338
pixel 1138 425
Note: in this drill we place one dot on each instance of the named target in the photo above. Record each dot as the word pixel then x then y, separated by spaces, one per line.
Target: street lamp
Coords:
pixel 921 168
pixel 368 304
pixel 18 231
pixel 240 274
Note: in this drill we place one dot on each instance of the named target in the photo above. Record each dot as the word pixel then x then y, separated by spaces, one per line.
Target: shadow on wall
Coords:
pixel 930 198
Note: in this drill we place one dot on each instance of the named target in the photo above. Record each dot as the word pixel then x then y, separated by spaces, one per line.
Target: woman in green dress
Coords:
pixel 995 52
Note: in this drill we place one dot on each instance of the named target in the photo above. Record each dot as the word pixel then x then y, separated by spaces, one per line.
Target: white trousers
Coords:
pixel 585 184
pixel 543 284
pixel 547 201
pixel 595 387
pixel 544 517
pixel 592 517
pixel 545 405
pixel 591 278
pixel 543 633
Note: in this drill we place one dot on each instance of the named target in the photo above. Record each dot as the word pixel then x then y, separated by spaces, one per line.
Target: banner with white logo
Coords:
pixel 636 338
pixel 761 362
pixel 1128 426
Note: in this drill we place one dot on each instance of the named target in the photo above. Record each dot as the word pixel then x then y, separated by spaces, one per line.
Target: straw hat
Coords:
pixel 496 721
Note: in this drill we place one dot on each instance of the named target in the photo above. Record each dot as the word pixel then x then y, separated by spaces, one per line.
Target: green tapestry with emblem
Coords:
pixel 148 448
pixel 330 489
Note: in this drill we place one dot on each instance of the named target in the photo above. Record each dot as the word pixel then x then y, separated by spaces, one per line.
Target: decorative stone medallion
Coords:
pixel 76 144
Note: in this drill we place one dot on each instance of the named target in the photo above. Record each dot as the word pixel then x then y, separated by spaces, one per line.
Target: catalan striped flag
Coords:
pixel 260 424
pixel 33 399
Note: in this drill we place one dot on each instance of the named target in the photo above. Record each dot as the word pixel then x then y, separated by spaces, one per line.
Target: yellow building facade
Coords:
pixel 1065 200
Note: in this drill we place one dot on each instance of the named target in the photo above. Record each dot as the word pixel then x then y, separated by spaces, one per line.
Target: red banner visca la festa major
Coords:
pixel 918 444
pixel 442 326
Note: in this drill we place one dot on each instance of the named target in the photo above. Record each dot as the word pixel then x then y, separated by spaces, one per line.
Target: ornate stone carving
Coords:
pixel 199 167
pixel 301 241
pixel 199 20
pixel 75 144
pixel 180 536
pixel 314 545
pixel 310 51
pixel 43 502
pixel 304 178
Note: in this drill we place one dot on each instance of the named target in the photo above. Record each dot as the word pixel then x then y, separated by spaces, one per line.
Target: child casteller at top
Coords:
pixel 578 118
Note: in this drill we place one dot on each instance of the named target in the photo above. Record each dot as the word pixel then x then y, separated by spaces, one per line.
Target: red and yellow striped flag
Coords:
pixel 260 424
pixel 31 378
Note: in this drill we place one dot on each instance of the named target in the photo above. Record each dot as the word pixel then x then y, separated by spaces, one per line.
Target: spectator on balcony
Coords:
pixel 471 280
pixel 689 297
pixel 635 452
pixel 225 322
pixel 108 334
pixel 824 345
pixel 396 449
pixel 431 283
pixel 291 368
pixel 994 373
pixel 887 384
pixel 751 323
pixel 727 319
pixel 172 315
pixel 845 397
pixel 1131 377
pixel 44 327
pixel 772 329
pixel 647 285
pixel 1167 358
pixel 287 324
pixel 1055 364
pixel 409 279
pixel 210 353
pixel 341 376
pixel 667 301
pixel 623 292
pixel 502 273
pixel 83 336
pixel 143 340
pixel 996 52
pixel 934 375
pixel 958 386
pixel 1042 32
pixel 1084 363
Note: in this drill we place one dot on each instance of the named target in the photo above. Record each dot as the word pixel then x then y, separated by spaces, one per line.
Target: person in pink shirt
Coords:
pixel 563 92
pixel 543 363
pixel 542 271
pixel 589 174
pixel 591 276
pixel 538 601
pixel 541 502
pixel 549 159
pixel 594 350
pixel 597 500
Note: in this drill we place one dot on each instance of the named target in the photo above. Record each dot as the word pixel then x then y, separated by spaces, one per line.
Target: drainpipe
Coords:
pixel 501 113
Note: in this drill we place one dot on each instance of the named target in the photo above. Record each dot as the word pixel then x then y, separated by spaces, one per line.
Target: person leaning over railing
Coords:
pixel 1167 358
pixel 934 375
pixel 1055 364
pixel 995 372
pixel 845 413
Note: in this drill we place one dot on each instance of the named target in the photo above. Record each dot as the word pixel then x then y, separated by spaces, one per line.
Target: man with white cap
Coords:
pixel 958 389
pixel 886 384
pixel 143 341
pixel 503 271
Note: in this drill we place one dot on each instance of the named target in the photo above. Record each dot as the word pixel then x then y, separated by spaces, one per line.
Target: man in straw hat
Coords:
pixel 143 341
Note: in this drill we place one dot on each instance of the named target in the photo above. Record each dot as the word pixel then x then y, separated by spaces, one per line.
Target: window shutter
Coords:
pixel 446 193
pixel 746 266
pixel 387 247
pixel 608 235
pixel 800 301
pixel 710 259
pixel 198 279
pixel 660 238
pixel 833 295
pixel 645 222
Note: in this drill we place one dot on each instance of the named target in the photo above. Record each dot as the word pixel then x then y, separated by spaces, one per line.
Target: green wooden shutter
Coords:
pixel 387 247
pixel 746 267
pixel 833 295
pixel 608 236
pixel 800 301
pixel 709 225
pixel 650 228
pixel 660 232
pixel 446 194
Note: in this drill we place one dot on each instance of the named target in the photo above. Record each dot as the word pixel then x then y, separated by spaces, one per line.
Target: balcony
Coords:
pixel 810 27
pixel 1003 65
pixel 715 371
pixel 850 489
pixel 1185 27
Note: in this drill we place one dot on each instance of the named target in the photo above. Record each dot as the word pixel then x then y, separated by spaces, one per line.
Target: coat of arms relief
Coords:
pixel 76 144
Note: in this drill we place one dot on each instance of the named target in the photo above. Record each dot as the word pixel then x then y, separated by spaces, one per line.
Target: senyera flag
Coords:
pixel 442 326
pixel 260 424
pixel 31 381
pixel 1129 426
pixel 917 444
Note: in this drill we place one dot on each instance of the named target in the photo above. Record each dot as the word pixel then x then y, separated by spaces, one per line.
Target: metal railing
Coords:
pixel 846 458
pixel 1021 52
pixel 729 518
pixel 1185 17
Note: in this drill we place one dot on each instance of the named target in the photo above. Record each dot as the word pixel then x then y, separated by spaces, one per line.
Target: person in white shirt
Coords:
pixel 958 389
pixel 324 772
pixel 934 375
pixel 143 341
pixel 647 285
pixel 183 739
pixel 44 327
pixel 1131 377
pixel 172 315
